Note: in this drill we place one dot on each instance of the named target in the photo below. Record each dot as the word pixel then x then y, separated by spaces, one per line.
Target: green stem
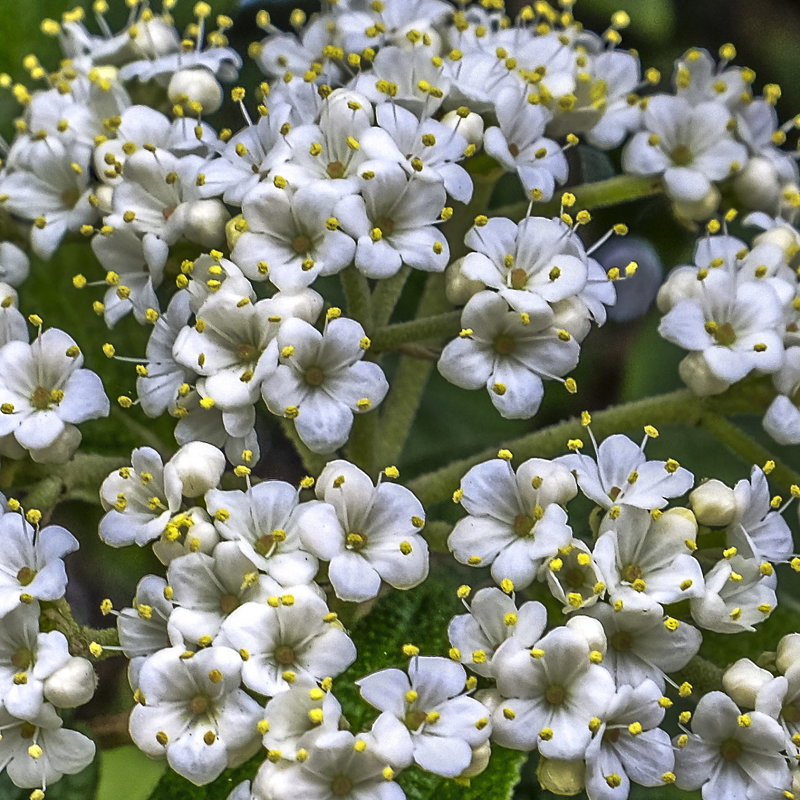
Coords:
pixel 357 297
pixel 747 448
pixel 680 407
pixel 386 295
pixel 416 330
pixel 58 616
pixel 600 194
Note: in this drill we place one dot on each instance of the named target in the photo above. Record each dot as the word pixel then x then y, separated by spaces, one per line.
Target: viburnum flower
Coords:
pixel 573 576
pixel 430 718
pixel 689 145
pixel 518 143
pixel 622 475
pixel 779 698
pixel 288 640
pixel 263 523
pixel 508 353
pixel 647 561
pixel 32 567
pixel 493 618
pixel 334 767
pixel 368 533
pixel 628 746
pixel 516 520
pixel 644 644
pixel 195 715
pixel 393 221
pixel 322 380
pixel 549 695
pixel 730 754
pixel 45 393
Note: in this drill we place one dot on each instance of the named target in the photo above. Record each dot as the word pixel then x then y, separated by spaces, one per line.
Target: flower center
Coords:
pixel 523 525
pixel 414 719
pixel 26 575
pixel 248 352
pixel 631 573
pixel 386 224
pixel 724 334
pixel 301 244
pixel 284 655
pixel 228 602
pixel 555 694
pixel 199 704
pixel 356 541
pixel 266 543
pixel 681 156
pixel 335 169
pixel 167 212
pixel 622 641
pixel 574 578
pixel 22 659
pixel 26 730
pixel 504 344
pixel 341 785
pixel 40 399
pixel 513 149
pixel 314 376
pixel 70 196
pixel 731 749
pixel 519 278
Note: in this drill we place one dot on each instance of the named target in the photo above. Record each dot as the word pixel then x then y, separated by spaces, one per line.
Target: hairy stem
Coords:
pixel 417 330
pixel 357 297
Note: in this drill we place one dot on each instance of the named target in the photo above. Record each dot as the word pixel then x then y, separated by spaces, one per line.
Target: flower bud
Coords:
pixel 204 222
pixel 104 195
pixel 783 236
pixel 470 126
pixel 72 685
pixel 61 450
pixel 590 629
pixel 682 284
pixel 199 467
pixel 196 85
pixel 713 503
pixel 571 315
pixel 697 375
pixel 233 230
pixel 758 185
pixel 156 38
pixel 480 760
pixel 742 680
pixel 458 287
pixel 699 210
pixel 788 652
pixel 565 778
pixel 14 264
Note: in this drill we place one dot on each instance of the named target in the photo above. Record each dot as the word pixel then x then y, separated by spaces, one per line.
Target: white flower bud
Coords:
pixel 713 503
pixel 196 85
pixel 697 375
pixel 590 629
pixel 14 264
pixel 470 127
pixel 783 236
pixel 62 448
pixel 199 467
pixel 758 185
pixel 155 38
pixel 72 685
pixel 565 778
pixel 104 195
pixel 459 288
pixel 232 232
pixel 701 209
pixel 204 222
pixel 742 680
pixel 570 314
pixel 788 652
pixel 682 284
pixel 480 760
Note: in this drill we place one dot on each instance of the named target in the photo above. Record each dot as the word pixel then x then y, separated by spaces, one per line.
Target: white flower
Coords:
pixel 31 567
pixel 730 754
pixel 322 381
pixel 14 264
pixel 140 500
pixel 393 221
pixel 539 256
pixel 40 752
pixel 189 531
pixel 519 144
pixel 629 745
pixel 779 697
pixel 493 618
pixel 263 521
pixel 550 694
pixel 622 475
pixel 689 145
pixel 573 577
pixel 199 467
pixel 292 237
pixel 45 392
pixel 644 644
pixel 516 520
pixel 195 716
pixel 431 720
pixel 742 682
pixel 740 593
pixel 647 561
pixel 367 533
pixel 291 639
pixel 508 353
pixel 27 659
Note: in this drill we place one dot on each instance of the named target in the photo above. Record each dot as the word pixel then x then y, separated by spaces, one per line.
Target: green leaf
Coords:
pixel 126 772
